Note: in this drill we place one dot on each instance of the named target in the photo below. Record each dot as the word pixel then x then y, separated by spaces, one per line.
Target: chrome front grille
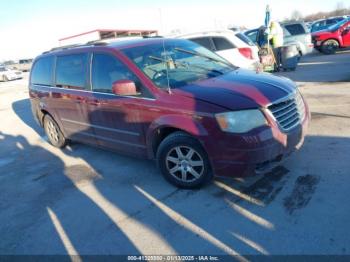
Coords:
pixel 288 112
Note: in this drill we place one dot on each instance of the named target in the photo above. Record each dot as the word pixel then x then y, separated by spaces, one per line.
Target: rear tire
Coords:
pixel 329 47
pixel 183 161
pixel 53 132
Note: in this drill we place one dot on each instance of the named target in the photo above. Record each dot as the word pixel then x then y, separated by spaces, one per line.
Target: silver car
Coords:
pixel 294 33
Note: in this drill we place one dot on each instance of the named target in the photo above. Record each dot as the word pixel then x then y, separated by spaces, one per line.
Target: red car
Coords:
pixel 334 37
pixel 170 100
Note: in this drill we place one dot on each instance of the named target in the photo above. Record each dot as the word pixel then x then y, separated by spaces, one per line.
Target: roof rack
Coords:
pixel 99 42
pixel 150 36
pixel 96 42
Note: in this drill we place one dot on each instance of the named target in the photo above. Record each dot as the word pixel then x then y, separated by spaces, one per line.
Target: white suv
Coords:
pixel 229 45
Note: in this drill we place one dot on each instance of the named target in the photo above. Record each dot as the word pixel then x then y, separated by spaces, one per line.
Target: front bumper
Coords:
pixel 262 157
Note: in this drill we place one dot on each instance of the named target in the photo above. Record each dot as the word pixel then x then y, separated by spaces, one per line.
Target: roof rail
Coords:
pixel 150 36
pixel 63 47
pixel 99 42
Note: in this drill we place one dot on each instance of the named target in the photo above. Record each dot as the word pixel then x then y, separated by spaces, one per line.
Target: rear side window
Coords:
pixel 106 69
pixel 204 41
pixel 222 44
pixel 333 21
pixel 71 71
pixel 42 71
pixel 330 21
pixel 295 29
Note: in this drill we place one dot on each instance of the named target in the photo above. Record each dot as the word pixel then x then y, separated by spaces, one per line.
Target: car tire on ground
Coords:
pixel 329 46
pixel 183 161
pixel 53 132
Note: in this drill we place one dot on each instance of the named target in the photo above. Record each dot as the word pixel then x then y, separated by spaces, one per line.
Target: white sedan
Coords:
pixel 7 74
pixel 229 45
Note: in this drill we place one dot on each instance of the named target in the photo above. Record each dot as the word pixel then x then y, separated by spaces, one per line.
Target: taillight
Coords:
pixel 246 52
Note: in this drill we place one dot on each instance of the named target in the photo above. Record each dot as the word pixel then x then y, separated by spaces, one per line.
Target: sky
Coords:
pixel 28 28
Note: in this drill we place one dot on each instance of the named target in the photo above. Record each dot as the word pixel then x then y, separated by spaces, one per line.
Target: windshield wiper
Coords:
pixel 201 55
pixel 187 65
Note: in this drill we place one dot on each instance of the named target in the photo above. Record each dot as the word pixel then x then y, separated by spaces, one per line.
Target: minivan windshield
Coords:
pixel 173 63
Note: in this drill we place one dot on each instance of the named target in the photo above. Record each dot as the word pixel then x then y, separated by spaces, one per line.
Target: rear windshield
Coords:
pixel 252 35
pixel 245 39
pixel 337 25
pixel 295 29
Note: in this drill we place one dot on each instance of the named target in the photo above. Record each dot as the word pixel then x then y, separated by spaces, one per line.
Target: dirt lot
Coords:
pixel 83 200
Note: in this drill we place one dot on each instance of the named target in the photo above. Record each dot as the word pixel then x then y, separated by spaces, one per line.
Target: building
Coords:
pixel 100 34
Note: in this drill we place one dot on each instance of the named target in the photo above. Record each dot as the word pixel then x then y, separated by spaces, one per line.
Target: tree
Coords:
pixel 340 6
pixel 340 9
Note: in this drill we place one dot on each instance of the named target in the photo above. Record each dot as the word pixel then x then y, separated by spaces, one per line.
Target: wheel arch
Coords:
pixel 42 112
pixel 335 39
pixel 167 125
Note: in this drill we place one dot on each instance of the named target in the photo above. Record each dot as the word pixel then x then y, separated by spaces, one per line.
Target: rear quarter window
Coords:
pixel 203 41
pixel 295 29
pixel 42 71
pixel 222 43
pixel 71 71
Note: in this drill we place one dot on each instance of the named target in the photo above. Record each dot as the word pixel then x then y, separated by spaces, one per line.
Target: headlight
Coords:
pixel 240 121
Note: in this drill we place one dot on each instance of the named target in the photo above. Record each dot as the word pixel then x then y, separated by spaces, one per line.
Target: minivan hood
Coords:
pixel 239 89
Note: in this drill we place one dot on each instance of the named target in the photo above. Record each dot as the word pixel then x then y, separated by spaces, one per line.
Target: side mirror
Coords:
pixel 345 31
pixel 124 88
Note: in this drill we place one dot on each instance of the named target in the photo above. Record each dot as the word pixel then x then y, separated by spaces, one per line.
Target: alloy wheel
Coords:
pixel 52 132
pixel 184 163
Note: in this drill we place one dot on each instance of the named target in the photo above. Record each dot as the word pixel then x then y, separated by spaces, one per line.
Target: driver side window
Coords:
pixel 107 69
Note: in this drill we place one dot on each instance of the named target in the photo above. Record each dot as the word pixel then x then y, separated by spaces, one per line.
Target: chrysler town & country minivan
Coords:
pixel 170 100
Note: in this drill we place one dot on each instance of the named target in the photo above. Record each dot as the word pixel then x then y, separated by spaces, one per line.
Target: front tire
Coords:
pixel 183 161
pixel 53 132
pixel 329 47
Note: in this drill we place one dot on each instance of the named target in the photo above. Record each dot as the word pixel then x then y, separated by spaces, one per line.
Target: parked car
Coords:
pixel 7 74
pixel 337 36
pixel 23 65
pixel 294 33
pixel 325 23
pixel 171 100
pixel 228 45
pixel 309 25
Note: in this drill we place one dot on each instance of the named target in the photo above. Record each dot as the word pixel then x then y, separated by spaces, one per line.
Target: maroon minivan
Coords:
pixel 170 100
